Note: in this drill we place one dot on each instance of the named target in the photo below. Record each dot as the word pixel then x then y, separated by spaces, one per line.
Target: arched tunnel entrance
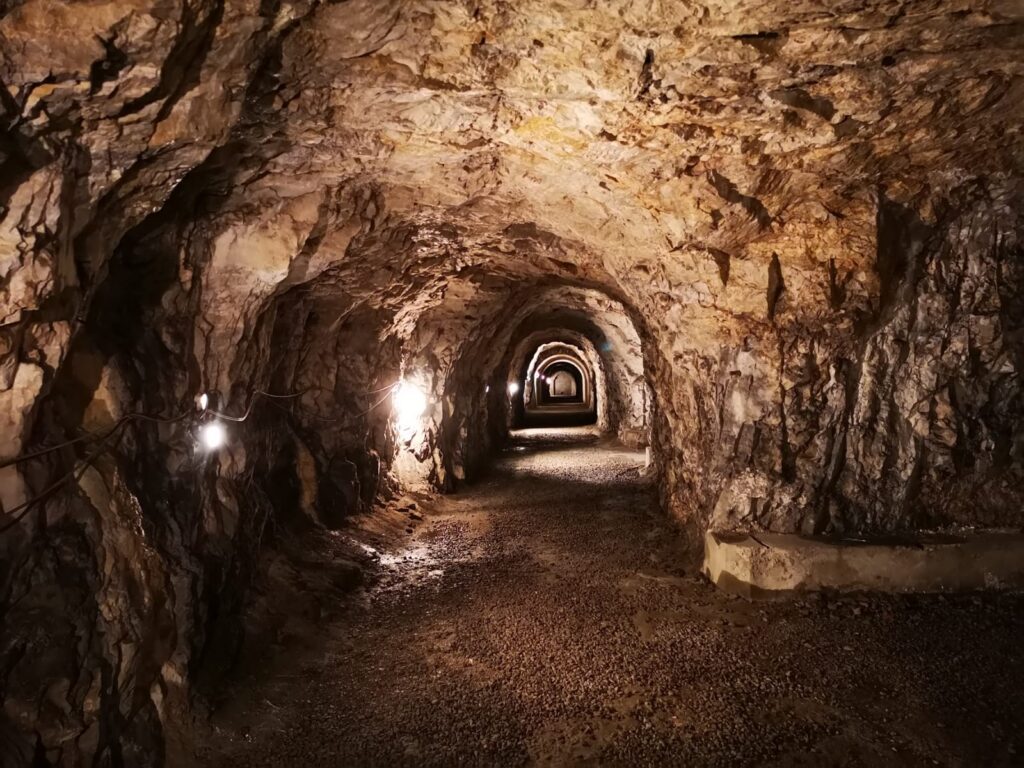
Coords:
pixel 559 388
pixel 579 364
pixel 577 331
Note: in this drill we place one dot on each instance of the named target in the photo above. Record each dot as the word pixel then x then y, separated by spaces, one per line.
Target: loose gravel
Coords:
pixel 551 615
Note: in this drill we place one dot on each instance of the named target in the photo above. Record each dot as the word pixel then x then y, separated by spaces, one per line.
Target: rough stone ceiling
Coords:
pixel 681 125
pixel 720 168
pixel 667 145
pixel 664 150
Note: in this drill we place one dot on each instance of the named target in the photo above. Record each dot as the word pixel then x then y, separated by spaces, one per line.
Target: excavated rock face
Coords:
pixel 790 231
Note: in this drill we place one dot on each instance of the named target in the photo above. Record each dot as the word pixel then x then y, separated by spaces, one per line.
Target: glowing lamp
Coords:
pixel 204 401
pixel 212 435
pixel 410 403
pixel 513 388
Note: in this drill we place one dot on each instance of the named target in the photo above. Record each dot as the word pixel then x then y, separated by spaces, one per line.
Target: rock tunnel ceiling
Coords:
pixel 797 225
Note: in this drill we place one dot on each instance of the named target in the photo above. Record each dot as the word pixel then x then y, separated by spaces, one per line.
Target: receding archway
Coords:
pixel 574 401
pixel 561 384
pixel 596 333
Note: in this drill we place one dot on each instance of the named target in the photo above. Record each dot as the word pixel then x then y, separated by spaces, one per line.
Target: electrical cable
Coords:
pixel 46 451
pixel 290 395
pixel 167 420
pixel 359 415
pixel 23 509
pixel 336 419
pixel 392 385
pixel 252 402
pixel 93 436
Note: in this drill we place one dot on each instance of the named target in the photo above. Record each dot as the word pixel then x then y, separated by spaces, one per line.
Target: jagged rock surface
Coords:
pixel 809 214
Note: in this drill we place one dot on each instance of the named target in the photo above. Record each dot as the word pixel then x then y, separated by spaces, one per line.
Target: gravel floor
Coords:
pixel 546 616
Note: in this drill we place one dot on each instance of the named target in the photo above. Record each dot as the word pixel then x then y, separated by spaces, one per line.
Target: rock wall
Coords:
pixel 112 591
pixel 906 416
pixel 797 225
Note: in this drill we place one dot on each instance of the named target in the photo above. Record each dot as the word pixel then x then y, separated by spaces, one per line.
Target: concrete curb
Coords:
pixel 767 564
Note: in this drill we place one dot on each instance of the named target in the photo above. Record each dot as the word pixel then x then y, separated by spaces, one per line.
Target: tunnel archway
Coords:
pixel 598 335
pixel 590 324
pixel 562 384
pixel 577 405
pixel 561 380
pixel 471 411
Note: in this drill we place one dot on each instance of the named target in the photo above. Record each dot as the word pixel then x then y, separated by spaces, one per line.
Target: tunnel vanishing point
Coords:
pixel 351 324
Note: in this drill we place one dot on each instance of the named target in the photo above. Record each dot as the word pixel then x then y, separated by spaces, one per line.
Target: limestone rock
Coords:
pixel 789 231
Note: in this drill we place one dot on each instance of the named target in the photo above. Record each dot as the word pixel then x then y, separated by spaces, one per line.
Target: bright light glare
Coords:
pixel 213 435
pixel 204 401
pixel 513 388
pixel 410 403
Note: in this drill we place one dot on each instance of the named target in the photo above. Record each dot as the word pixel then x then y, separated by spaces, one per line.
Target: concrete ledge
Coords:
pixel 765 564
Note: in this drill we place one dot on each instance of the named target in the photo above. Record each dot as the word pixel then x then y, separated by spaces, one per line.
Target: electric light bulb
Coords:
pixel 410 403
pixel 204 401
pixel 212 435
pixel 513 388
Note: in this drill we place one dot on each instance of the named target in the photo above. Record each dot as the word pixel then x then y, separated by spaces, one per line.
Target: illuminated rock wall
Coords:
pixel 802 219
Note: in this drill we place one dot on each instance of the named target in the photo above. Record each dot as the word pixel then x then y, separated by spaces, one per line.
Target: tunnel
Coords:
pixel 560 387
pixel 590 339
pixel 482 383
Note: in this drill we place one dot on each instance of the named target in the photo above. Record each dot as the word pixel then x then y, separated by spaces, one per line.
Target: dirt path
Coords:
pixel 545 617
